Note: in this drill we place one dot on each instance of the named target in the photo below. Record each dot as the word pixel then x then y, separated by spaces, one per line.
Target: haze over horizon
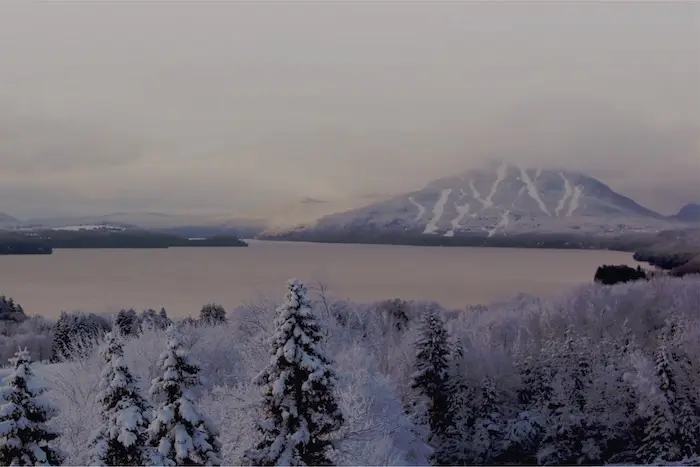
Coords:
pixel 241 108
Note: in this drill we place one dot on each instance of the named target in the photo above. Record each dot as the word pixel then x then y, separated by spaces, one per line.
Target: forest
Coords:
pixel 598 375
pixel 45 241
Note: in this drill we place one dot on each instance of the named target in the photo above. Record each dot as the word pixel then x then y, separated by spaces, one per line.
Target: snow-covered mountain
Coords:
pixel 499 199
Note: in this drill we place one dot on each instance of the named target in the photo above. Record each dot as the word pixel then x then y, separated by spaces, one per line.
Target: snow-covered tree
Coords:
pixel 455 443
pixel 123 439
pixel 431 377
pixel 24 434
pixel 178 432
pixel 126 322
pixel 212 314
pixel 489 422
pixel 299 403
pixel 671 430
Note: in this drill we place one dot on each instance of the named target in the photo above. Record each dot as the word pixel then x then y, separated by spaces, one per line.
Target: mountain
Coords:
pixel 501 199
pixel 184 225
pixel 309 210
pixel 689 213
pixel 7 221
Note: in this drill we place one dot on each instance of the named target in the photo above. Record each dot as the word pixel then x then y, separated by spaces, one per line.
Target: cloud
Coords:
pixel 259 104
pixel 30 145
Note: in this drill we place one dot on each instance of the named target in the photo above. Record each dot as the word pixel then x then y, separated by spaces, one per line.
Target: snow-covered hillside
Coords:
pixel 500 199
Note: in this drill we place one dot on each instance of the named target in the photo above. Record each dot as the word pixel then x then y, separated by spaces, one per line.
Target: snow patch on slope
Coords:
pixel 503 223
pixel 532 190
pixel 567 194
pixel 438 210
pixel 462 212
pixel 575 200
pixel 476 195
pixel 421 208
pixel 500 176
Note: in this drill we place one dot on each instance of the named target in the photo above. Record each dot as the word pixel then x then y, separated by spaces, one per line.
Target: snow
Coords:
pixel 438 211
pixel 502 224
pixel 76 228
pixel 575 200
pixel 462 212
pixel 476 194
pixel 532 190
pixel 568 192
pixel 500 176
pixel 421 208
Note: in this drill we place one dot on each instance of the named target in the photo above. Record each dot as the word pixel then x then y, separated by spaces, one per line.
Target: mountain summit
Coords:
pixel 498 199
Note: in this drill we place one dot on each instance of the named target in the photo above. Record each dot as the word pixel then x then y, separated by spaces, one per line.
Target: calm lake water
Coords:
pixel 183 279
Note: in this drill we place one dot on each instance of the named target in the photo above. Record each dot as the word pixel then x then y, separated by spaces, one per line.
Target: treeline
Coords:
pixel 45 241
pixel 74 333
pixel 417 238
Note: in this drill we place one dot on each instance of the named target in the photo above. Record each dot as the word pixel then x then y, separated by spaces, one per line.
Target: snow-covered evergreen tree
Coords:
pixel 489 423
pixel 671 432
pixel 299 404
pixel 178 432
pixel 431 377
pixel 454 447
pixel 212 314
pixel 24 434
pixel 123 439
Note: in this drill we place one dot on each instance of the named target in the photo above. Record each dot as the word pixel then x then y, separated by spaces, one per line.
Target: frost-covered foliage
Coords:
pixel 122 439
pixel 24 433
pixel 72 328
pixel 35 334
pixel 178 432
pixel 600 375
pixel 212 314
pixel 150 319
pixel 300 410
pixel 126 322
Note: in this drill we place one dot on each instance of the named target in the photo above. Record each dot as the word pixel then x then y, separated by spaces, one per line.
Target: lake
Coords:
pixel 183 279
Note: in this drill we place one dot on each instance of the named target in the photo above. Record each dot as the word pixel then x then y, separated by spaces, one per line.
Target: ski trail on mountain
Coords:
pixel 421 208
pixel 438 211
pixel 462 212
pixel 500 176
pixel 503 223
pixel 476 194
pixel 532 190
pixel 568 192
pixel 575 200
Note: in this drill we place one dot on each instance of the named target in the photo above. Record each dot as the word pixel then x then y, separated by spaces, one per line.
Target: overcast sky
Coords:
pixel 239 107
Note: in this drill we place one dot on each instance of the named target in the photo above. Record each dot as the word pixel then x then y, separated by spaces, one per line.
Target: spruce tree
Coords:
pixel 672 423
pixel 489 424
pixel 212 314
pixel 298 390
pixel 178 432
pixel 431 377
pixel 24 434
pixel 122 440
pixel 454 447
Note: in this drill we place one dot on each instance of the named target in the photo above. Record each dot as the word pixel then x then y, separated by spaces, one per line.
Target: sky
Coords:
pixel 241 107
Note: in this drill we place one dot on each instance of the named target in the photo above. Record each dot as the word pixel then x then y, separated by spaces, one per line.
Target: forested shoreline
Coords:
pixel 45 241
pixel 603 374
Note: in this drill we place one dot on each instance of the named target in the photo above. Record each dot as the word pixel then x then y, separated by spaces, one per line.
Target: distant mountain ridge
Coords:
pixel 7 221
pixel 501 199
pixel 689 213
